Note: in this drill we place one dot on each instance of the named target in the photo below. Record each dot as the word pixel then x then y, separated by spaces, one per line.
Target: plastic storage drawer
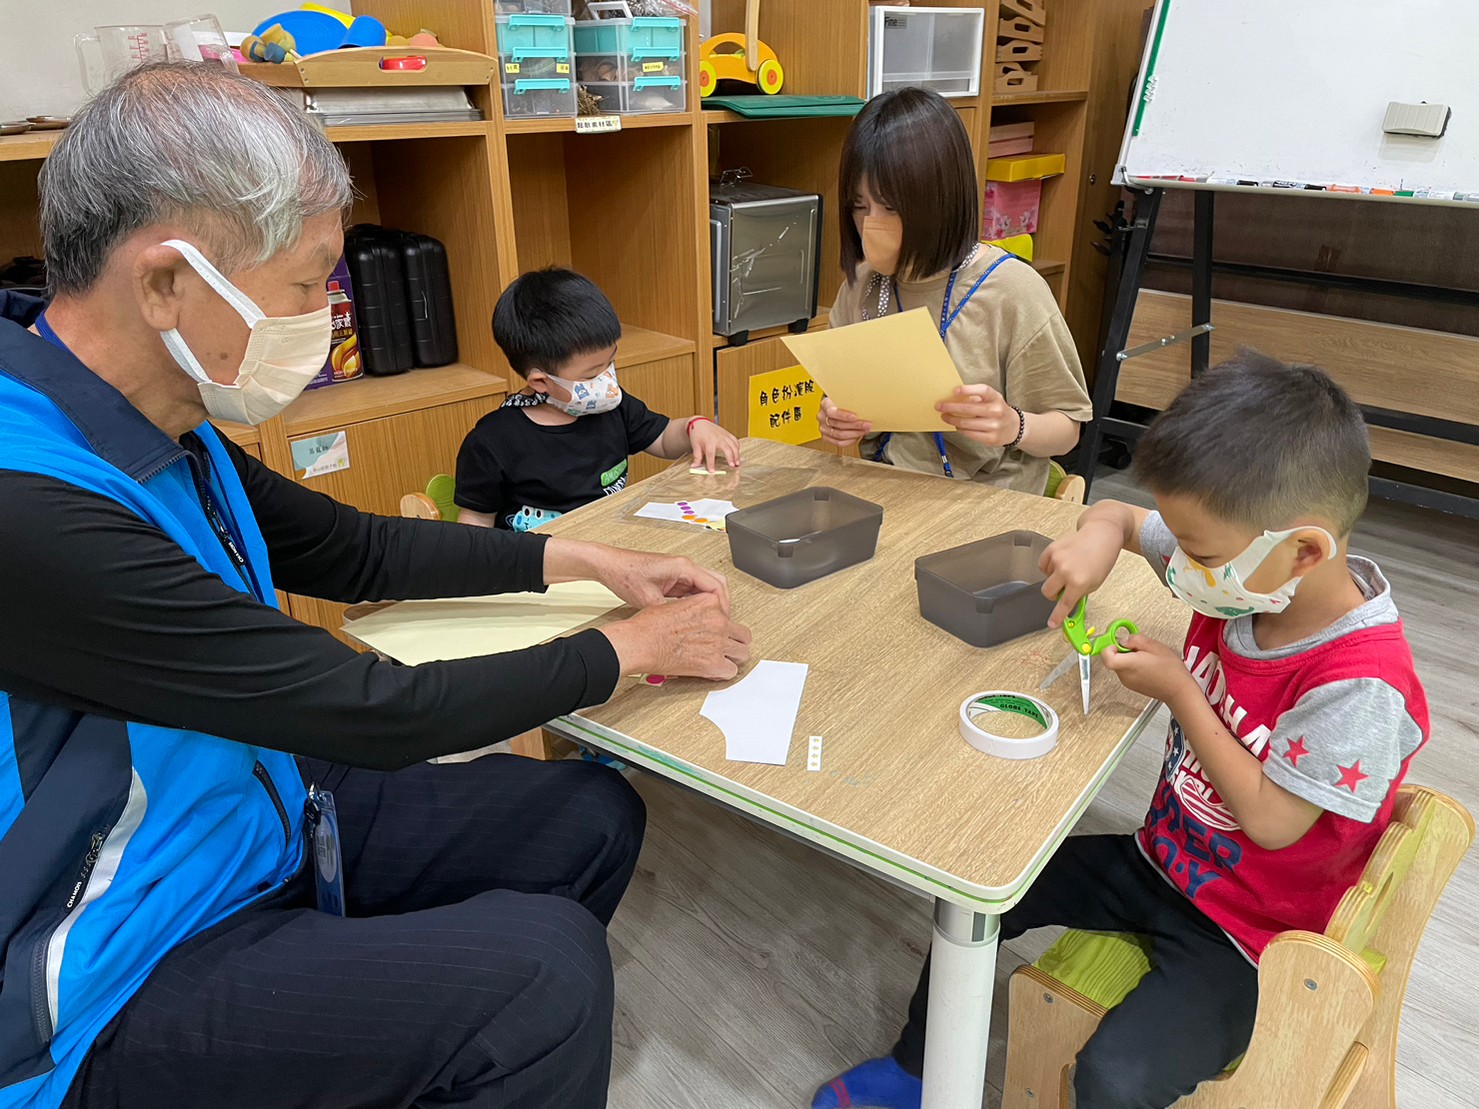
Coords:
pixel 985 592
pixel 536 56
pixel 641 96
pixel 803 536
pixel 933 48
pixel 533 7
pixel 634 65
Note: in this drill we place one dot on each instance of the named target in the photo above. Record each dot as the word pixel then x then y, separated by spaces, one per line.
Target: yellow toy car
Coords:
pixel 753 62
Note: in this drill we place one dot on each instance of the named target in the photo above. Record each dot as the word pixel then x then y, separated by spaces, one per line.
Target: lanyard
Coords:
pixel 947 317
pixel 200 473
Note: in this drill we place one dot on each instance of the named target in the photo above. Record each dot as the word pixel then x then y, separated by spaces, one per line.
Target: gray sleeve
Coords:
pixel 1157 544
pixel 1341 745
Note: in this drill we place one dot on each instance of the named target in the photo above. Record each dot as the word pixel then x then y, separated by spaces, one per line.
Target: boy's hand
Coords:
pixel 709 442
pixel 1150 668
pixel 840 428
pixel 1078 564
pixel 979 412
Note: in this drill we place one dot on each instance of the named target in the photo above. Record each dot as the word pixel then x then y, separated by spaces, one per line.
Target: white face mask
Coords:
pixel 1221 593
pixel 588 398
pixel 282 356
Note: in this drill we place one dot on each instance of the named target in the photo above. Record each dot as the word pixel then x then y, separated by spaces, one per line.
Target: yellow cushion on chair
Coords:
pixel 1103 966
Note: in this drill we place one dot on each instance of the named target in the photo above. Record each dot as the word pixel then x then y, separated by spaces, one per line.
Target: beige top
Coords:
pixel 1011 336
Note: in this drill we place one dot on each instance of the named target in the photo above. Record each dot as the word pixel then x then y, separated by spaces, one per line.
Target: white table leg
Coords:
pixel 962 975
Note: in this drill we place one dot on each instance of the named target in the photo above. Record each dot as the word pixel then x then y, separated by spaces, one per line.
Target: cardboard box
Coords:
pixel 1010 208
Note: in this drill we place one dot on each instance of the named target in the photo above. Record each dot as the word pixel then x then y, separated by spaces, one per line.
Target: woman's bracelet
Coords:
pixel 1021 426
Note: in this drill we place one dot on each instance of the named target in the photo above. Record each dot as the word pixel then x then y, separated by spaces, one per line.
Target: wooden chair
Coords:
pixel 1325 1036
pixel 1063 486
pixel 436 503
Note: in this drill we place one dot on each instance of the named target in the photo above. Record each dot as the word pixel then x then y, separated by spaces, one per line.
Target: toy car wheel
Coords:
pixel 708 78
pixel 770 76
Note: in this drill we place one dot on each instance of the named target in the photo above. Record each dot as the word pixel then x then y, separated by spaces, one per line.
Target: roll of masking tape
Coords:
pixel 978 711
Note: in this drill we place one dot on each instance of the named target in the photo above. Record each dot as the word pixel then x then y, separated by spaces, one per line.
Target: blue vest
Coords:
pixel 118 840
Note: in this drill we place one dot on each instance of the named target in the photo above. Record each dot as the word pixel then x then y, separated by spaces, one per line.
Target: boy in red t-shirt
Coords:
pixel 1295 711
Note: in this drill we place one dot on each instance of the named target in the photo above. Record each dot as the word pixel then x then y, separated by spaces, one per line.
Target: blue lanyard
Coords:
pixel 199 470
pixel 947 317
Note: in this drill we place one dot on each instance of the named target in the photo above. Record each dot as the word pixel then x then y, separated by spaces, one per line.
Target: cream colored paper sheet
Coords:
pixel 414 632
pixel 891 371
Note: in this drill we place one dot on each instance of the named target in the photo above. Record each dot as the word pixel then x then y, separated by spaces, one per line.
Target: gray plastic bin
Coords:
pixel 986 592
pixel 803 536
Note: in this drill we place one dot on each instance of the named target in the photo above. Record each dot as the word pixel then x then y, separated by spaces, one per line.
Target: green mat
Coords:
pixel 783 106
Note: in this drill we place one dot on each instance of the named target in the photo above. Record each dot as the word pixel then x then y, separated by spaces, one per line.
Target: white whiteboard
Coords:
pixel 1295 91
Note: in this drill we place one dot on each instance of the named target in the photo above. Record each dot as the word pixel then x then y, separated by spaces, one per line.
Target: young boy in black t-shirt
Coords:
pixel 563 441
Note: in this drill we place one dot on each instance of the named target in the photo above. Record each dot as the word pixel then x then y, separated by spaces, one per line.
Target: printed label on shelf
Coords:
pixel 596 125
pixel 510 67
pixel 784 406
pixel 562 67
pixel 814 754
pixel 653 67
pixel 321 454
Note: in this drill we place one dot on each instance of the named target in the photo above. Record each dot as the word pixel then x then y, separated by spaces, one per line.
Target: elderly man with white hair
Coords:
pixel 182 923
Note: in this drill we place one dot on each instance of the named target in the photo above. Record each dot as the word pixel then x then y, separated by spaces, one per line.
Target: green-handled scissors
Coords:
pixel 1087 642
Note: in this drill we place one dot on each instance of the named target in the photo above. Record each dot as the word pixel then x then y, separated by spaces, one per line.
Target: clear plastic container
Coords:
pixel 634 65
pixel 639 96
pixel 533 7
pixel 803 536
pixel 536 54
pixel 985 592
pixel 933 48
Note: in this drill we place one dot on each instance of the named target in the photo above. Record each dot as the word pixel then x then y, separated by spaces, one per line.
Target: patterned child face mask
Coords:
pixel 587 398
pixel 1220 592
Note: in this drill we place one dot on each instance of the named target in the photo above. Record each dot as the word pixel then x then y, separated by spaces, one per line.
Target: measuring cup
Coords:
pixel 200 40
pixel 112 51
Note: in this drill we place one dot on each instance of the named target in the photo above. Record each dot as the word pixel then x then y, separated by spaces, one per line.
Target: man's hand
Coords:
pixel 692 638
pixel 979 412
pixel 637 577
pixel 1150 668
pixel 840 428
pixel 1078 564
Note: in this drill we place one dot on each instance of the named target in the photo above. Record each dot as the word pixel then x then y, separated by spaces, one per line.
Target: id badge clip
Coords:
pixel 321 829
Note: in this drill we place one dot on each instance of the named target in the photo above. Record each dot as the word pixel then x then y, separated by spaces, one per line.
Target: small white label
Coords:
pixel 321 454
pixel 814 754
pixel 596 125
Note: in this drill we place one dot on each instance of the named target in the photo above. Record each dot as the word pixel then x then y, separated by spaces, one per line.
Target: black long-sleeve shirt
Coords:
pixel 105 614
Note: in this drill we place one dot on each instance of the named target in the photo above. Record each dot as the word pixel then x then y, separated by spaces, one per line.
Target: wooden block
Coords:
pixel 1018 27
pixel 1033 10
pixel 1019 50
pixel 1011 77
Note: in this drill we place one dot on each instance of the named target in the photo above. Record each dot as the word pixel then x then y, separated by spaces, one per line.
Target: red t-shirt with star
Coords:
pixel 1335 720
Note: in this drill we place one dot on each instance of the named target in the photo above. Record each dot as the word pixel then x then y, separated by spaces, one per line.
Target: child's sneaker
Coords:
pixel 604 760
pixel 876 1084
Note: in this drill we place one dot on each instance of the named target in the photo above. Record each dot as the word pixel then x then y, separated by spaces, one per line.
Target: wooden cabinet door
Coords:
pixel 387 459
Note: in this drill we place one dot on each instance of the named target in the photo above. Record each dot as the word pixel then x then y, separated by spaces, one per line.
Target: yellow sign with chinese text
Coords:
pixel 784 406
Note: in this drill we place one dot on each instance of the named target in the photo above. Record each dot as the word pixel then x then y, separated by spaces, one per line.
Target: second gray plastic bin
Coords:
pixel 986 592
pixel 803 536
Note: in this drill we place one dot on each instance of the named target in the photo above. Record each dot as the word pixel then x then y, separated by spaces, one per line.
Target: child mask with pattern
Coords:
pixel 587 398
pixel 1221 592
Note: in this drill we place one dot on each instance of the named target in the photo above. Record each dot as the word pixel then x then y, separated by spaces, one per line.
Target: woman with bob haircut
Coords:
pixel 910 216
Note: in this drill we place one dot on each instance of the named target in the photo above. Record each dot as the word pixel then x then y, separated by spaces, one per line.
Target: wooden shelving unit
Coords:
pixel 630 210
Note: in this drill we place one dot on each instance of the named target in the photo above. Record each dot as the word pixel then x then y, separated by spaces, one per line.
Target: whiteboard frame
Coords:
pixel 1123 177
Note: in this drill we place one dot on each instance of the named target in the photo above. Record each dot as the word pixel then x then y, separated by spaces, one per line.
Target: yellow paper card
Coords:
pixel 890 371
pixel 414 632
pixel 783 406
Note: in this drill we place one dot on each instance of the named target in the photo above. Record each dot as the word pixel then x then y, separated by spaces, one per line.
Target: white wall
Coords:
pixel 38 66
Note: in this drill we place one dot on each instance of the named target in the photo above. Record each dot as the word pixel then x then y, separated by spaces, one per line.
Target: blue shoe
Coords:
pixel 876 1084
pixel 604 760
